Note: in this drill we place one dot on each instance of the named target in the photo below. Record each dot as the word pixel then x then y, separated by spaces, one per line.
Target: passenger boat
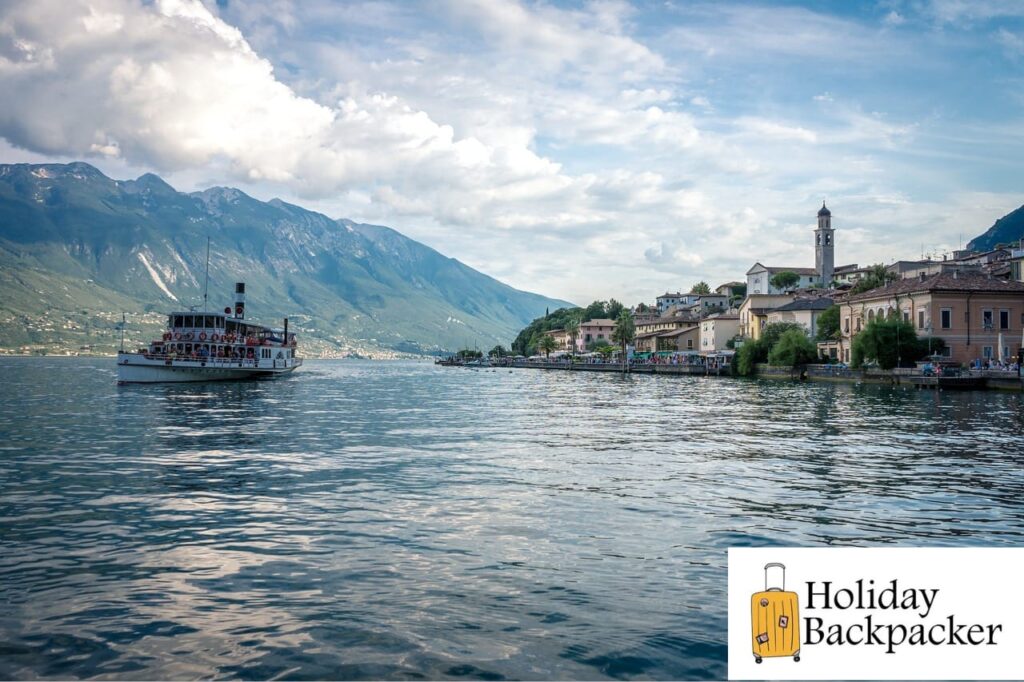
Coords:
pixel 211 347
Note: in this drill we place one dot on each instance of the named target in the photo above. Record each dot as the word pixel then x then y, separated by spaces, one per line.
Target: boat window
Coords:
pixel 188 321
pixel 177 321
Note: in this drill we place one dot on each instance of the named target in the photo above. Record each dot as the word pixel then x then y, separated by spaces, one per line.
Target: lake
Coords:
pixel 400 520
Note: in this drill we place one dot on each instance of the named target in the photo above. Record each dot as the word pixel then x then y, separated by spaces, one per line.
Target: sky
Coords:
pixel 585 151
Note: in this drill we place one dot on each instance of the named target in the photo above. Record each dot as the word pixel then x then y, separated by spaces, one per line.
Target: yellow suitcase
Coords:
pixel 775 620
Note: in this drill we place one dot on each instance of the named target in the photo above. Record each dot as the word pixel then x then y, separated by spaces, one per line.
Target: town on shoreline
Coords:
pixel 954 321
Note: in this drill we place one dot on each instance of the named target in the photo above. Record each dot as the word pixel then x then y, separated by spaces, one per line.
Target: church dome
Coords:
pixel 824 211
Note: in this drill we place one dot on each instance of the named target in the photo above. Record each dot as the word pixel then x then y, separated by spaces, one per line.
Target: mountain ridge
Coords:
pixel 77 247
pixel 1006 230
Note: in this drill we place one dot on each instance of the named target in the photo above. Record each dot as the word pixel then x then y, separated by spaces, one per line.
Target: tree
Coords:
pixel 793 348
pixel 525 342
pixel 604 349
pixel 624 333
pixel 498 351
pixel 774 331
pixel 547 344
pixel 642 307
pixel 891 342
pixel 613 309
pixel 594 311
pixel 877 276
pixel 751 353
pixel 828 324
pixel 785 280
pixel 701 288
pixel 572 328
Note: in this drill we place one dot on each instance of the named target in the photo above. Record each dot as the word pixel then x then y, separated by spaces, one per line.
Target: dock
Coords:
pixel 949 383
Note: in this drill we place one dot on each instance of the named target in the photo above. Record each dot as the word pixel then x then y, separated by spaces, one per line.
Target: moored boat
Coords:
pixel 202 346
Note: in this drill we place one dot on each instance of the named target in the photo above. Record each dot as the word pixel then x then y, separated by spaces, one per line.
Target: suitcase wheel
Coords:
pixel 757 659
pixel 797 658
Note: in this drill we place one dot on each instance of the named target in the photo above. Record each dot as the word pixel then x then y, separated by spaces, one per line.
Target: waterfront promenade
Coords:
pixel 987 379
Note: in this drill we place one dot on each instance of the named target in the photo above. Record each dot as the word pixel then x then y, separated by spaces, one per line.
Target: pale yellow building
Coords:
pixel 753 314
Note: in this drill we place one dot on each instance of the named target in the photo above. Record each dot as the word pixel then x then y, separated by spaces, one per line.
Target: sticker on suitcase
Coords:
pixel 775 617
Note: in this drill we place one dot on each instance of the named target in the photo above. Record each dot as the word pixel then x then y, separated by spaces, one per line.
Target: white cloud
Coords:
pixel 775 130
pixel 894 18
pixel 1013 43
pixel 571 151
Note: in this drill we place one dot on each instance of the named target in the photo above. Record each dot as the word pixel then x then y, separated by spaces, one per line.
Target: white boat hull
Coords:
pixel 135 368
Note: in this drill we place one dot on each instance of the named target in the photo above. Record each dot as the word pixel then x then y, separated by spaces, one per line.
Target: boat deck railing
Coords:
pixel 227 363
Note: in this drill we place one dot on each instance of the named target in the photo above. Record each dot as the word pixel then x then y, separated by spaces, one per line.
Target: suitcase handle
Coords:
pixel 774 565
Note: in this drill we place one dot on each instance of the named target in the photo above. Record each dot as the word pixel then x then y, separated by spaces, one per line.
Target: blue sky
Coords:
pixel 583 150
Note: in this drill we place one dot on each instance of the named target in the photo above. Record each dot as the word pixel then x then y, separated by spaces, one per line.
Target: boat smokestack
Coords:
pixel 285 342
pixel 240 300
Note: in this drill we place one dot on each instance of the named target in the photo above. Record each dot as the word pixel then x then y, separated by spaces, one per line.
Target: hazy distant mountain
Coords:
pixel 1007 230
pixel 77 248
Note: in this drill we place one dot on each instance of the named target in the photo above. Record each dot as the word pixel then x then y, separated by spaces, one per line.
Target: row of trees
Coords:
pixel 888 342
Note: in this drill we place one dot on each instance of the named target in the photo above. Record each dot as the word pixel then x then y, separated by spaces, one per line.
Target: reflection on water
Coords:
pixel 384 520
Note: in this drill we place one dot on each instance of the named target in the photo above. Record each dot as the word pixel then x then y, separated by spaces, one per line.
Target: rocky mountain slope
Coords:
pixel 1007 230
pixel 77 248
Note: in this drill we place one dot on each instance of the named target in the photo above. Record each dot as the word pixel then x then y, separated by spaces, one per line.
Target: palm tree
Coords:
pixel 547 344
pixel 572 328
pixel 624 333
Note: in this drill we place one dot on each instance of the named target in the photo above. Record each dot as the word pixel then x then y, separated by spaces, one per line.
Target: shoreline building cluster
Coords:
pixel 973 301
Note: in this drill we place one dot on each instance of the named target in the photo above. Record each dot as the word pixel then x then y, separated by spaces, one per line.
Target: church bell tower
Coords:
pixel 824 247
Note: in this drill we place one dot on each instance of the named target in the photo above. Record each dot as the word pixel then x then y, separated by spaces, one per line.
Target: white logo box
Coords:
pixel 951 614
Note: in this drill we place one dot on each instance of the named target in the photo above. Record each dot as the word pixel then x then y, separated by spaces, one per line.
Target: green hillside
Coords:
pixel 77 248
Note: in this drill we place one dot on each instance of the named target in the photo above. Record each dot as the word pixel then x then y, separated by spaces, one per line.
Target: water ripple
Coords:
pixel 397 520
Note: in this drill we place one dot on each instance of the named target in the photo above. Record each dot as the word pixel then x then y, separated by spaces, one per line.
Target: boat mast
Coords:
pixel 123 321
pixel 206 286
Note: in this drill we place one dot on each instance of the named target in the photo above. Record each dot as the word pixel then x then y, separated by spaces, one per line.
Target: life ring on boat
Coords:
pixel 167 336
pixel 188 336
pixel 214 337
pixel 202 336
pixel 177 336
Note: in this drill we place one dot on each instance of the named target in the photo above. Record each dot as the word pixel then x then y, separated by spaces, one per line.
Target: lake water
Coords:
pixel 398 520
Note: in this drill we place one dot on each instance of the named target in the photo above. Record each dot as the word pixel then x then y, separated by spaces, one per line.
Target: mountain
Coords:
pixel 77 248
pixel 1007 230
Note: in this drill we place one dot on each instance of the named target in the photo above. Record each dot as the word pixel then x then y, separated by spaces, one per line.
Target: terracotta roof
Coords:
pixel 943 281
pixel 676 332
pixel 598 322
